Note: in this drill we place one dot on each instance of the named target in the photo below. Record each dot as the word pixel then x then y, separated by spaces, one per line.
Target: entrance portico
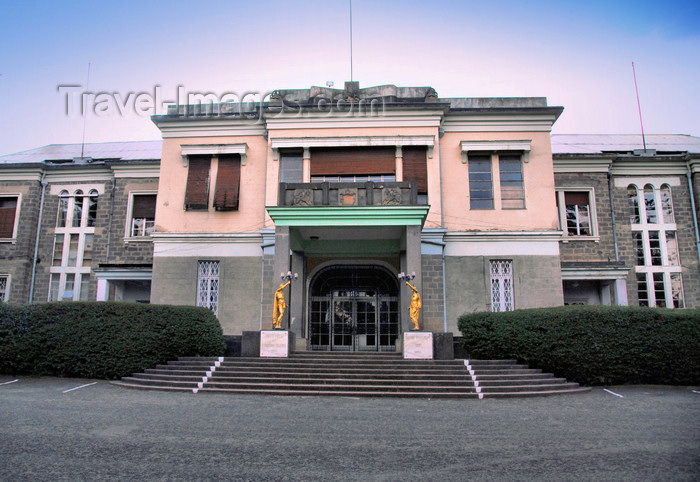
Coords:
pixel 347 296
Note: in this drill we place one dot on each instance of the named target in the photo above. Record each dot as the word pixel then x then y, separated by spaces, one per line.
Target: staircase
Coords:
pixel 352 375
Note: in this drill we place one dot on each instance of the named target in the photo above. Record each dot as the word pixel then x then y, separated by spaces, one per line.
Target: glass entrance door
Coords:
pixel 354 308
pixel 354 323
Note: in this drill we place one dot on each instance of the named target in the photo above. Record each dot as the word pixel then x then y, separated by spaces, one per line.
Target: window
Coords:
pixel 577 212
pixel 73 246
pixel 291 166
pixel 655 246
pixel 142 220
pixel 228 180
pixel 502 285
pixel 227 186
pixel 480 182
pixel 208 285
pixel 197 191
pixel 4 287
pixel 415 168
pixel 512 189
pixel 8 216
pixel 355 178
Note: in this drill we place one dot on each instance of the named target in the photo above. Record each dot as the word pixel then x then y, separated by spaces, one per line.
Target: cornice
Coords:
pixel 502 236
pixel 141 170
pixel 21 174
pixel 208 238
pixel 511 122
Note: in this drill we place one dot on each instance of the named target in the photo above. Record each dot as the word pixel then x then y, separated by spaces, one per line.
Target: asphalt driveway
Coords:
pixel 68 429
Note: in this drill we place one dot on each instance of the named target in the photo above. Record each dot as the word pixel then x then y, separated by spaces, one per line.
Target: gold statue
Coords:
pixel 414 308
pixel 279 306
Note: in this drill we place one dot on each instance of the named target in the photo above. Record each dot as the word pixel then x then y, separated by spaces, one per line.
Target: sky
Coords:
pixel 578 54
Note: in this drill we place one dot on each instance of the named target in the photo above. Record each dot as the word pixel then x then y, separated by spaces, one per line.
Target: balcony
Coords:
pixel 350 194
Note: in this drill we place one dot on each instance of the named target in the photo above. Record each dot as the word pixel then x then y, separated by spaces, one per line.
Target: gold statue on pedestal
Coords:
pixel 414 308
pixel 279 305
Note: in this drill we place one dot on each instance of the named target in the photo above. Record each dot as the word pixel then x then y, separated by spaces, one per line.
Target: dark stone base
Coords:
pixel 443 346
pixel 250 344
pixel 233 345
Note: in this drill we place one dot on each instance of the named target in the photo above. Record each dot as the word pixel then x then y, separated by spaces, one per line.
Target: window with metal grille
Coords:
pixel 502 285
pixel 4 287
pixel 208 285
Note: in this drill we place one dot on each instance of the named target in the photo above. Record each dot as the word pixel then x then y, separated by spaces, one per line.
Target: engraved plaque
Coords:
pixel 418 345
pixel 274 343
pixel 303 197
pixel 391 196
pixel 347 197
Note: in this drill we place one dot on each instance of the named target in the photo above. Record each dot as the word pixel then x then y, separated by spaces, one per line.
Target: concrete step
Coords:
pixel 351 374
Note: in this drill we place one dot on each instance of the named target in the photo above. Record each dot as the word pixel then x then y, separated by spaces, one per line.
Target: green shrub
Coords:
pixel 593 345
pixel 102 339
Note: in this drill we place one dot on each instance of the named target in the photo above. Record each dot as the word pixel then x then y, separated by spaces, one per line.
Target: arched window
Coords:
pixel 62 209
pixel 92 208
pixel 666 204
pixel 77 208
pixel 633 200
pixel 650 204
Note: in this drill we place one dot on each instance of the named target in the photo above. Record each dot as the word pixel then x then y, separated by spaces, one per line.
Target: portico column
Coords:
pixel 399 163
pixel 411 264
pixel 281 265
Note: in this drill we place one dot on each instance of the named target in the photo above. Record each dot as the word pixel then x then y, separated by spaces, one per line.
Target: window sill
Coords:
pixel 8 240
pixel 566 239
pixel 138 239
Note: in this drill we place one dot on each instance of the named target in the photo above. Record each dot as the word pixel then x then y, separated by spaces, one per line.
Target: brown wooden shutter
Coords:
pixel 197 193
pixel 144 206
pixel 415 167
pixel 353 160
pixel 228 180
pixel 8 207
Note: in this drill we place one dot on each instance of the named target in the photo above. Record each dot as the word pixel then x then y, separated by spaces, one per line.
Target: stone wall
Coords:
pixel 536 283
pixel 602 249
pixel 432 295
pixel 16 258
pixel 175 282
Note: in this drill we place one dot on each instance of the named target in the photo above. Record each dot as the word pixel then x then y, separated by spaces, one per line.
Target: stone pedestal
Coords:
pixel 276 343
pixel 418 345
pixel 443 346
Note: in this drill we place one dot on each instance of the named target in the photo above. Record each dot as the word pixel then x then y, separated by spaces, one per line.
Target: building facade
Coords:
pixel 76 222
pixel 344 190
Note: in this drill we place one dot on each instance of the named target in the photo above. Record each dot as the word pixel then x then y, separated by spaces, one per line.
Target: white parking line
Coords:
pixel 76 388
pixel 694 391
pixel 613 393
pixel 7 383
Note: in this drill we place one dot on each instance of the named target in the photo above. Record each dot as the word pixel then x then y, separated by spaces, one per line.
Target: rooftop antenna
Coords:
pixel 351 78
pixel 87 89
pixel 639 107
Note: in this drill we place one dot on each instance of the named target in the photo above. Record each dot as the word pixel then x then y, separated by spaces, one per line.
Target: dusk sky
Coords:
pixel 577 54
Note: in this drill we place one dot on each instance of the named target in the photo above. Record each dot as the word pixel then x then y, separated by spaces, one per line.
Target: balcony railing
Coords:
pixel 349 194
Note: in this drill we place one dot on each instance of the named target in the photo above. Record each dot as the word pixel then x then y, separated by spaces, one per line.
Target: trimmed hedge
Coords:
pixel 102 339
pixel 592 345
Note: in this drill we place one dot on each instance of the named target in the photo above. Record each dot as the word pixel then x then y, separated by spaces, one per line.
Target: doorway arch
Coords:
pixel 354 307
